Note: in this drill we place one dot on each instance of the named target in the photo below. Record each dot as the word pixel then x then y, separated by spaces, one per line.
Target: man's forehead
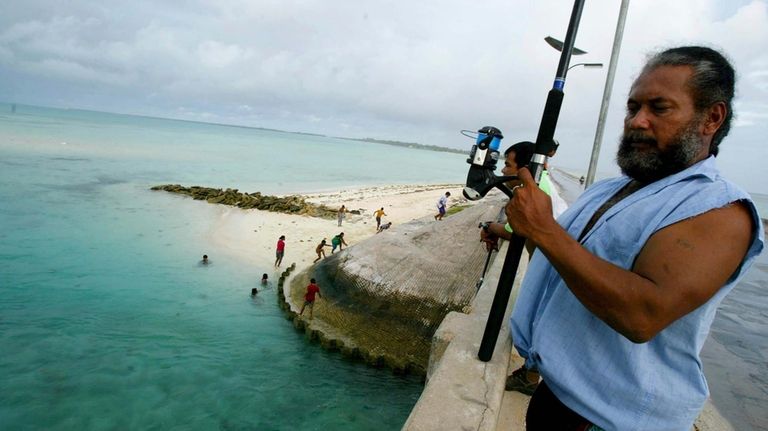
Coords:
pixel 662 82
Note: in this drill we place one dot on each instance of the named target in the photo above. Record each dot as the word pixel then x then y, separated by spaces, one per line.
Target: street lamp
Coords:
pixel 607 93
pixel 558 45
pixel 554 43
pixel 594 65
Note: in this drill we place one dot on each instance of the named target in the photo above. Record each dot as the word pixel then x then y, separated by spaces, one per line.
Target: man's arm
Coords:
pixel 678 269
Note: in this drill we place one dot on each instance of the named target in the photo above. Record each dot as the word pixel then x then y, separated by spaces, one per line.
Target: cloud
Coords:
pixel 414 71
pixel 758 79
pixel 218 55
pixel 752 114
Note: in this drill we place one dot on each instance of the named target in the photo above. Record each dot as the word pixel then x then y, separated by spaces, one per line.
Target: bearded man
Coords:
pixel 620 294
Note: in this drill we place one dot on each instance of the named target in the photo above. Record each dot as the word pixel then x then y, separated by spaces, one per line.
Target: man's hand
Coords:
pixel 529 212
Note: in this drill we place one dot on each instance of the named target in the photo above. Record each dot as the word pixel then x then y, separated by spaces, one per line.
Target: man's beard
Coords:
pixel 652 164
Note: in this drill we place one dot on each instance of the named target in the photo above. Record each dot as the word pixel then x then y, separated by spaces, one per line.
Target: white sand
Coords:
pixel 251 235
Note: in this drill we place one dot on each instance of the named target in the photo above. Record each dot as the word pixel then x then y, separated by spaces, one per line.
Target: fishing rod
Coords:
pixel 481 179
pixel 490 252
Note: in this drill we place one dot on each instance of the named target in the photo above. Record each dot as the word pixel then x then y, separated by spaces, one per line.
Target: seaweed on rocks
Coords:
pixel 291 204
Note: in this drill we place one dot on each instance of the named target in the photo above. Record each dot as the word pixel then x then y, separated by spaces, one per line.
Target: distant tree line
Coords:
pixel 410 145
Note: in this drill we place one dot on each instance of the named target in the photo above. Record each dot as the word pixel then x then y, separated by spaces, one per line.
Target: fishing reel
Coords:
pixel 482 160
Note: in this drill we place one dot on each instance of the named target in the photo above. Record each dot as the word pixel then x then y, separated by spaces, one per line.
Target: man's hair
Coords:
pixel 523 153
pixel 713 80
pixel 312 280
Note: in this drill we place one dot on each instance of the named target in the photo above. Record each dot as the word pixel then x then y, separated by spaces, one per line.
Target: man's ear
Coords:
pixel 714 118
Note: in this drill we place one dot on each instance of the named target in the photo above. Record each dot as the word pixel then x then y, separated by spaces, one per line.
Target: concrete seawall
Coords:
pixel 384 298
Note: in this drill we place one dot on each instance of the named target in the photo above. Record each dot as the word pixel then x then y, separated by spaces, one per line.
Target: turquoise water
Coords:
pixel 106 319
pixel 150 150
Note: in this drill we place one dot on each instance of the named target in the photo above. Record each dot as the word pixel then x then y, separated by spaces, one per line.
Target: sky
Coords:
pixel 398 70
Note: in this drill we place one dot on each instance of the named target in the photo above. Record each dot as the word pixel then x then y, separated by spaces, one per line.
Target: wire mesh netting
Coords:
pixel 389 293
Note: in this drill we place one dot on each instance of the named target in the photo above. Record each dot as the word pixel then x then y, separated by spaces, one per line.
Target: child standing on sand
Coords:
pixel 342 213
pixel 279 251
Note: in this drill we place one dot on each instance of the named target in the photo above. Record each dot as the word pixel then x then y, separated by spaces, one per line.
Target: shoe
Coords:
pixel 518 381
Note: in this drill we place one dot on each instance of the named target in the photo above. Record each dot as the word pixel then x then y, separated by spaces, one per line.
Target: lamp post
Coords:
pixel 607 93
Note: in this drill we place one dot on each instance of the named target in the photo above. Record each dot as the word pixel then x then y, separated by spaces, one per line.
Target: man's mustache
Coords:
pixel 638 138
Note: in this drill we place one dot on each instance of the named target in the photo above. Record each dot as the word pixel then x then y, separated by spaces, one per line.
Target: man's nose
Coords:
pixel 638 120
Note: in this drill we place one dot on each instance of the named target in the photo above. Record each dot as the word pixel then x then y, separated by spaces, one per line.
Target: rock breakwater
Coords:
pixel 292 204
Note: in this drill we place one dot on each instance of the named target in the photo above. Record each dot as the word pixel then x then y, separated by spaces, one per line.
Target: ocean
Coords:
pixel 108 322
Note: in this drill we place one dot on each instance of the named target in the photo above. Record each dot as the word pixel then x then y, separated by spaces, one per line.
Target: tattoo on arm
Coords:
pixel 685 244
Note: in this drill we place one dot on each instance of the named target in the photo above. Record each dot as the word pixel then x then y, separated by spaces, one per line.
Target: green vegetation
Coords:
pixel 456 208
pixel 409 145
pixel 285 204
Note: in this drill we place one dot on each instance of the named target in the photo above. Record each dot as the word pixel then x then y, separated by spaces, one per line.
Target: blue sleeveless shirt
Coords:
pixel 594 370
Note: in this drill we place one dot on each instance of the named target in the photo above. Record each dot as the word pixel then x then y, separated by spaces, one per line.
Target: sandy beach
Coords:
pixel 251 235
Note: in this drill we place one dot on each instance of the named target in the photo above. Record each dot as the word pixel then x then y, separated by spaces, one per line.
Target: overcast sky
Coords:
pixel 415 71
